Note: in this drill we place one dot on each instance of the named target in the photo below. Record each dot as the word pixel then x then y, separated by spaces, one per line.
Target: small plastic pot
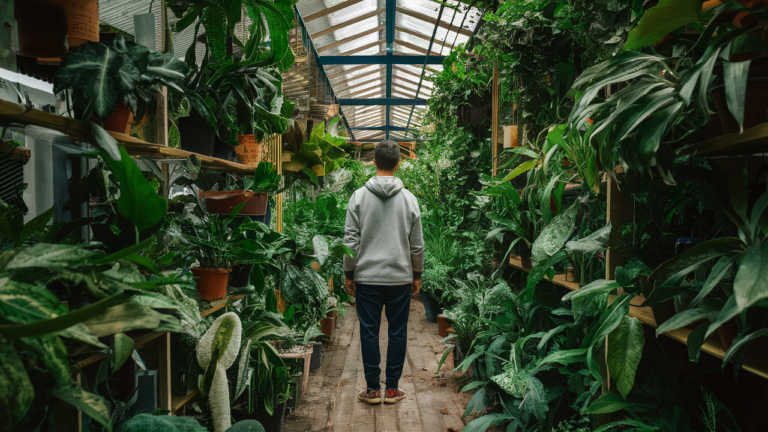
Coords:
pixel 431 308
pixel 211 283
pixel 197 135
pixel 728 333
pixel 442 325
pixel 314 360
pixel 240 275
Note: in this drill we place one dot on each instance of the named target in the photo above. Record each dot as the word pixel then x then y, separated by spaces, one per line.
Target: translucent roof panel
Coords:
pixel 349 28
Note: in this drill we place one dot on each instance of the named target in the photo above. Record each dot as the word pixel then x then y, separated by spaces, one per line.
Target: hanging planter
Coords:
pixel 42 28
pixel 211 283
pixel 249 151
pixel 82 19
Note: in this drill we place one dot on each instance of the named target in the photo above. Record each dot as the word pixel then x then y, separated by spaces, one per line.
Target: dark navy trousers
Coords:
pixel 396 301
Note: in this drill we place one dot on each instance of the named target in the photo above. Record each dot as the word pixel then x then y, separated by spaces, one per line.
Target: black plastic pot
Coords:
pixel 196 134
pixel 239 276
pixel 221 149
pixel 431 308
pixel 314 361
pixel 271 423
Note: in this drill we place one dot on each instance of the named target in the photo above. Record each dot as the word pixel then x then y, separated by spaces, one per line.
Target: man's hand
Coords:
pixel 349 286
pixel 416 287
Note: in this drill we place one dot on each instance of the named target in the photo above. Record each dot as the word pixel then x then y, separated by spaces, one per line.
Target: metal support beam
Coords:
pixel 382 101
pixel 379 128
pixel 331 10
pixel 431 20
pixel 391 11
pixel 381 60
pixel 349 71
pixel 349 23
pixel 352 38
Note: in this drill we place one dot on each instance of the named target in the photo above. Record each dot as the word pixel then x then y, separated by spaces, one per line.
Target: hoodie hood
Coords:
pixel 384 187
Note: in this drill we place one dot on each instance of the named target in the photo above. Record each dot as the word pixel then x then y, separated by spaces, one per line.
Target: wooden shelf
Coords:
pixel 559 279
pixel 751 140
pixel 136 344
pixel 224 302
pixel 754 362
pixel 180 401
pixel 12 113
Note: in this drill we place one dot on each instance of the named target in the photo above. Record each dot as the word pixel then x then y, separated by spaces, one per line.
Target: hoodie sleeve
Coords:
pixel 417 247
pixel 351 236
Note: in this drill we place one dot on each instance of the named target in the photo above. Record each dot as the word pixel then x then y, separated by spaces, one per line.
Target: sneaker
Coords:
pixel 372 397
pixel 394 396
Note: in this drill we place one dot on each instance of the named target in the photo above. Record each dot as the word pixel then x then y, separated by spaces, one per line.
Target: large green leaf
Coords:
pixel 554 235
pixel 662 19
pixel 164 423
pixel 608 403
pixel 679 266
pixel 123 349
pixel 596 241
pixel 64 321
pixel 246 426
pixel 92 405
pixel 736 74
pixel 684 318
pixel 125 317
pixel 34 226
pixel 751 282
pixel 138 200
pixel 625 348
pixel 743 342
pixel 16 391
pixel 611 318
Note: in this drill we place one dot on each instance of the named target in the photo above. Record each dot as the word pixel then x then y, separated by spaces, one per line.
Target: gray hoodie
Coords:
pixel 384 229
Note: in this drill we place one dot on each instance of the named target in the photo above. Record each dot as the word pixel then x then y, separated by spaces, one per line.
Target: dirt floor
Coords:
pixel 434 403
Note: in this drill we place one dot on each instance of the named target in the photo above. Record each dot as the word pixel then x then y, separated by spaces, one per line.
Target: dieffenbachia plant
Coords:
pixel 216 352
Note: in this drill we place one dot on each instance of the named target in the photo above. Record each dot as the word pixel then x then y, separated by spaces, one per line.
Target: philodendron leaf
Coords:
pixel 138 201
pixel 661 20
pixel 625 348
pixel 596 241
pixel 90 404
pixel 123 349
pixel 751 283
pixel 101 73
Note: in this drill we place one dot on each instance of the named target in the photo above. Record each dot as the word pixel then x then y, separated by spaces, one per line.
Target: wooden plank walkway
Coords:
pixel 330 401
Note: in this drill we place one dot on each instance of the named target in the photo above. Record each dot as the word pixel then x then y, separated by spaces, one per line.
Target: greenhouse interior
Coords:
pixel 383 215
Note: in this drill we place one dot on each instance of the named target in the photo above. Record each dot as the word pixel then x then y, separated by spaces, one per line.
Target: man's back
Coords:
pixel 384 229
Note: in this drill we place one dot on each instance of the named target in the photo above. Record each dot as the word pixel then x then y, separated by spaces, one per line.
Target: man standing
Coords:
pixel 383 228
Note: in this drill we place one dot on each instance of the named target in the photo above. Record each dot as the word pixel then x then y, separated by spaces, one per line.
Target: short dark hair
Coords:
pixel 387 154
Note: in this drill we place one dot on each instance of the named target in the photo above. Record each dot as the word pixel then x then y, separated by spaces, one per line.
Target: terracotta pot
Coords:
pixel 83 20
pixel 755 105
pixel 121 120
pixel 249 151
pixel 728 333
pixel 42 28
pixel 327 326
pixel 442 325
pixel 223 202
pixel 211 283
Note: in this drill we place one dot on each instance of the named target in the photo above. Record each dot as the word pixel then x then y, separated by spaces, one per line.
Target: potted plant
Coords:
pixel 218 243
pixel 112 80
pixel 241 93
pixel 251 191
